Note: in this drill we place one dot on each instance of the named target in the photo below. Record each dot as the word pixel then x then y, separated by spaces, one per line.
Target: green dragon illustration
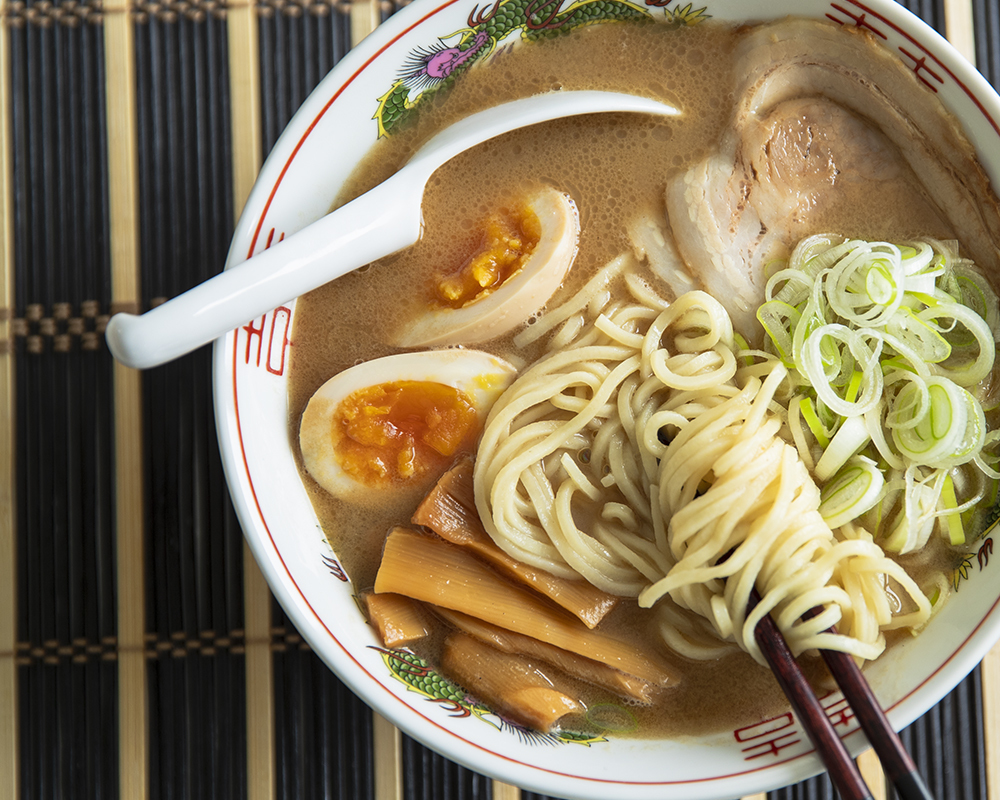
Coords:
pixel 419 677
pixel 433 69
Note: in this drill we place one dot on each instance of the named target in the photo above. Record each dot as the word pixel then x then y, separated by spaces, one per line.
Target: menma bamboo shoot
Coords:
pixel 512 686
pixel 450 511
pixel 398 620
pixel 429 569
pixel 579 667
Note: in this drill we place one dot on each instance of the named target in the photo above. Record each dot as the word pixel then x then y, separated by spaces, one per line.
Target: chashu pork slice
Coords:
pixel 815 164
pixel 830 130
pixel 719 233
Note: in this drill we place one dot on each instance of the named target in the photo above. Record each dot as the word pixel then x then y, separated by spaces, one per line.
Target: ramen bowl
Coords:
pixel 362 99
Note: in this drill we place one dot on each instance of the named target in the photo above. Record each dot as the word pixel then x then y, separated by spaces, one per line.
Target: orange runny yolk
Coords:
pixel 508 239
pixel 396 432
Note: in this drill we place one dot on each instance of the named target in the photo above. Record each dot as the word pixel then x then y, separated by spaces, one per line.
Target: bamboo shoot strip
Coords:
pixel 398 620
pixel 579 667
pixel 450 511
pixel 512 686
pixel 443 574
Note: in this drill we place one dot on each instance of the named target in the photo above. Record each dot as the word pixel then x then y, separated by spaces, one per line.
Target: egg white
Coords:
pixel 522 295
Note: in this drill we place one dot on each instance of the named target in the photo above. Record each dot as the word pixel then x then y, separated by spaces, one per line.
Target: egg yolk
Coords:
pixel 400 431
pixel 508 239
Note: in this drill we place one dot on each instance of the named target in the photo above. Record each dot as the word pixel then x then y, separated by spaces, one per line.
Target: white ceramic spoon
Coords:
pixel 376 224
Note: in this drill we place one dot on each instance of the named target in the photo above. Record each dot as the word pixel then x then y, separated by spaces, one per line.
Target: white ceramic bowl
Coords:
pixel 317 151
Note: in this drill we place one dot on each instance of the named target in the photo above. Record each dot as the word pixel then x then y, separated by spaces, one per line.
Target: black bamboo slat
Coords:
pixel 947 740
pixel 297 49
pixel 65 485
pixel 194 545
pixel 930 11
pixel 986 16
pixel 426 774
pixel 323 731
pixel 387 8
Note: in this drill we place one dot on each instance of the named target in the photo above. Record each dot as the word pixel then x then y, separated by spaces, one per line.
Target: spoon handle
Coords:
pixel 374 225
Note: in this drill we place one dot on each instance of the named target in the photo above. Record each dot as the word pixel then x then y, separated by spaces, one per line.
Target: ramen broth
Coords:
pixel 613 166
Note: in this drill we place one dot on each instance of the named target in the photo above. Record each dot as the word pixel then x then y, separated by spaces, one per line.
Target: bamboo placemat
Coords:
pixel 141 653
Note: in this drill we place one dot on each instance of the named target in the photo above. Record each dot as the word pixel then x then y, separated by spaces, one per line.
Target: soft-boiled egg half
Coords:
pixel 522 257
pixel 399 421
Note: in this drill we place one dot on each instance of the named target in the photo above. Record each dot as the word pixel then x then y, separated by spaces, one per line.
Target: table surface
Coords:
pixel 141 654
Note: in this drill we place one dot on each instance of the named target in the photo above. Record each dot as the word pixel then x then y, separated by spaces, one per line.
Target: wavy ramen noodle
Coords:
pixel 638 454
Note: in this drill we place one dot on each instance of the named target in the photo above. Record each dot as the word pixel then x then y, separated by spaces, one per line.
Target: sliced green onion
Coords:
pixel 921 284
pixel 818 252
pixel 950 431
pixel 986 460
pixel 922 269
pixel 779 319
pixel 952 517
pixel 907 410
pixel 916 256
pixel 915 332
pixel 866 287
pixel 813 317
pixel 914 523
pixel 793 286
pixel 823 377
pixel 976 293
pixel 896 364
pixel 873 421
pixel 854 490
pixel 853 386
pixel 965 373
pixel 935 425
pixel 903 351
pixel 851 437
pixel 884 343
pixel 925 298
pixel 812 420
pixel 986 469
pixel 879 284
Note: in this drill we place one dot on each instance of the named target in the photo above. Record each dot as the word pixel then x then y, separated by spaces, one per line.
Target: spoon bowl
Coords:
pixel 376 224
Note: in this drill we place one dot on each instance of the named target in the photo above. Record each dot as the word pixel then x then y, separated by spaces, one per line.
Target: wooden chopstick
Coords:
pixel 843 771
pixel 886 742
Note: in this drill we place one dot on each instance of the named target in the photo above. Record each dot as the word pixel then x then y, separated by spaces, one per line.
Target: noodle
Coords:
pixel 637 454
